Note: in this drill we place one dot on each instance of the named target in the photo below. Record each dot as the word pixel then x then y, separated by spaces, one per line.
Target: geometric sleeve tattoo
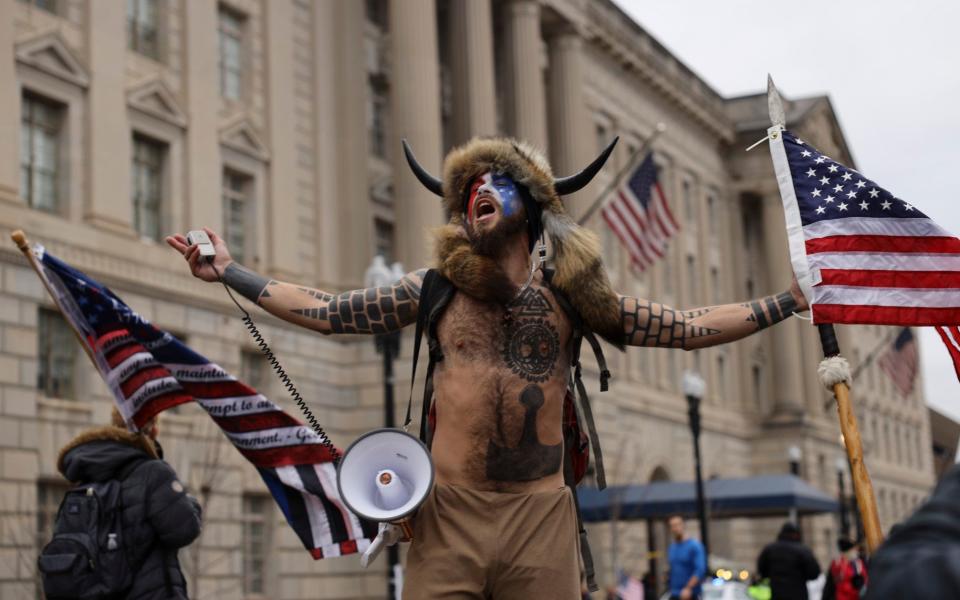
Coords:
pixel 371 310
pixel 770 310
pixel 652 324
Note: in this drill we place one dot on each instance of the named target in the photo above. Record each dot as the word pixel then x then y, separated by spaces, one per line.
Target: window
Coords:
pixel 694 295
pixel 231 54
pixel 238 214
pixel 722 378
pixel 253 369
pixel 757 384
pixel 383 238
pixel 147 185
pixel 602 135
pixel 142 26
pixel 712 216
pixel 40 128
pixel 47 5
pixel 714 285
pixel 376 117
pixel 56 354
pixel 49 495
pixel 256 542
pixel 689 209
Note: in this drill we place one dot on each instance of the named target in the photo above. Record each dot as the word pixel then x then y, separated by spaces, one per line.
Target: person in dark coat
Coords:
pixel 159 517
pixel 788 564
pixel 921 557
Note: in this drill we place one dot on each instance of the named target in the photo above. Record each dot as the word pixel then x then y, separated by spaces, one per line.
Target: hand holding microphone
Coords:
pixel 202 254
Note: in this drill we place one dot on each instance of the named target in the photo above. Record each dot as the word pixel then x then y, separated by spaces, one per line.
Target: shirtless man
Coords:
pixel 500 522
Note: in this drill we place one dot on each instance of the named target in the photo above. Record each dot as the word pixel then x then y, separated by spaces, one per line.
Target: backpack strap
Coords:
pixel 579 334
pixel 435 293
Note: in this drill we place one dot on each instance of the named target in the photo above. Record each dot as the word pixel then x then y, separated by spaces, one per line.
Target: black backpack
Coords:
pixel 87 559
pixel 436 291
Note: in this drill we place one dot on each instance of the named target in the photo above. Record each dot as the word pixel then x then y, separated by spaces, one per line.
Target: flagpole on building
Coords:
pixel 605 194
pixel 835 374
pixel 20 239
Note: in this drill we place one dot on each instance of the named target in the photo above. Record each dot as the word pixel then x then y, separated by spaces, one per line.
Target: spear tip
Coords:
pixel 775 104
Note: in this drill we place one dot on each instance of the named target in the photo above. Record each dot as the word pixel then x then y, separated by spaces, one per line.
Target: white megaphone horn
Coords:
pixel 384 476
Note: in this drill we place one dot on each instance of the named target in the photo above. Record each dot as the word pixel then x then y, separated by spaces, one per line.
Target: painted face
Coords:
pixel 490 192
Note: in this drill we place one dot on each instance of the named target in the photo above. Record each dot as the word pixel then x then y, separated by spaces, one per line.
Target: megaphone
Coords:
pixel 384 476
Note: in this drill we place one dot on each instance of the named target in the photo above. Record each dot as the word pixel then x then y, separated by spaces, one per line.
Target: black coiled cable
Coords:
pixel 281 373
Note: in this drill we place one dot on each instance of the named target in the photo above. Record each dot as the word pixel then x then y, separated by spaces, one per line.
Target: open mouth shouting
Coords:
pixel 490 196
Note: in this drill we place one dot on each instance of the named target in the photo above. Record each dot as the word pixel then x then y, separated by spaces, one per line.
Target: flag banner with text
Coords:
pixel 860 254
pixel 148 370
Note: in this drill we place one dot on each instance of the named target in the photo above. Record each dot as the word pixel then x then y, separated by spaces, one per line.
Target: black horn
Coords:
pixel 429 181
pixel 574 183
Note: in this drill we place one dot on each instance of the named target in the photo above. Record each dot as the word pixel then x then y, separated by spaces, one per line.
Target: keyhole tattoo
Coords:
pixel 530 459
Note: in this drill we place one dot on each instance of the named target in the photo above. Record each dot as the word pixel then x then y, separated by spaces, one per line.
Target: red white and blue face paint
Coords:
pixel 490 192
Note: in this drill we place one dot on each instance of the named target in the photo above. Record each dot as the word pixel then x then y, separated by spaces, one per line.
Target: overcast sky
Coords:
pixel 892 70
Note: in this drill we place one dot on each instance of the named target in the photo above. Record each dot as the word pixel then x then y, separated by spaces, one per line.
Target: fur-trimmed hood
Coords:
pixel 98 454
pixel 580 273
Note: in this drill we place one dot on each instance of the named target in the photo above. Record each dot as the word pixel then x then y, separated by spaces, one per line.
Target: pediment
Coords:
pixel 49 53
pixel 155 98
pixel 242 136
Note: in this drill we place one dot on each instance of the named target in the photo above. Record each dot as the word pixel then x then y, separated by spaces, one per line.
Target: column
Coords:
pixel 525 105
pixel 202 99
pixel 471 51
pixel 108 131
pixel 9 107
pixel 344 222
pixel 571 141
pixel 415 96
pixel 787 375
pixel 283 259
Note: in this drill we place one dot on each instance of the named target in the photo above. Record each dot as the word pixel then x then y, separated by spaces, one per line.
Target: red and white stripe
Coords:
pixel 951 339
pixel 644 233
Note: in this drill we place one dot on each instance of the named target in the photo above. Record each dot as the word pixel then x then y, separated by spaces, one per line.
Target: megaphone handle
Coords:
pixel 374 550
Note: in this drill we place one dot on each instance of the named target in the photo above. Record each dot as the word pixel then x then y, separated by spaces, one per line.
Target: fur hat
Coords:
pixel 579 275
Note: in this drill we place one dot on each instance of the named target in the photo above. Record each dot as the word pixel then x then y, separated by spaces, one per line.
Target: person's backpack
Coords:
pixel 436 291
pixel 86 558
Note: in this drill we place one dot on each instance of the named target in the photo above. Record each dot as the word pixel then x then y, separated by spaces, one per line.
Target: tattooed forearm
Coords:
pixel 249 284
pixel 372 310
pixel 652 324
pixel 770 310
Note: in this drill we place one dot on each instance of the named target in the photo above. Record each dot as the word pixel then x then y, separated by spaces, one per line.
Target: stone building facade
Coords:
pixel 278 123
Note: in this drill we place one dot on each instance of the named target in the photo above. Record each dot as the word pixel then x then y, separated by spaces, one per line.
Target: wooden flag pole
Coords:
pixel 20 239
pixel 862 485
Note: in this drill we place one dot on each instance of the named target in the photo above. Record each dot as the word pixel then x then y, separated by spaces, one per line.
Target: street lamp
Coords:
pixel 378 274
pixel 841 466
pixel 795 454
pixel 693 389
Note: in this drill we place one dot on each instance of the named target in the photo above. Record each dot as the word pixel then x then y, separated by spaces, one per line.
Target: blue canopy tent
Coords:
pixel 763 495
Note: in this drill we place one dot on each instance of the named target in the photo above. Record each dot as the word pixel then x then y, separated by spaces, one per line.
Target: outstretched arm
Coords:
pixel 371 310
pixel 648 323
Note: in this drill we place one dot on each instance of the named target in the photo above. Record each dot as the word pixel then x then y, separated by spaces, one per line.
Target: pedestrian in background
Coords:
pixel 688 562
pixel 157 517
pixel 847 576
pixel 788 564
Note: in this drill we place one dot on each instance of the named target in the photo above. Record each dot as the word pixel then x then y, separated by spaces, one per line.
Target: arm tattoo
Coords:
pixel 772 309
pixel 372 310
pixel 249 284
pixel 651 324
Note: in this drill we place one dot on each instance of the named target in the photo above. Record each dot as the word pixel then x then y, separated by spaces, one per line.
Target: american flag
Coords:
pixel 629 587
pixel 860 254
pixel 148 370
pixel 951 338
pixel 901 361
pixel 639 215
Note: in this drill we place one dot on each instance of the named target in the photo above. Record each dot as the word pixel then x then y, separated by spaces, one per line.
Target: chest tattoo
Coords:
pixel 530 459
pixel 531 342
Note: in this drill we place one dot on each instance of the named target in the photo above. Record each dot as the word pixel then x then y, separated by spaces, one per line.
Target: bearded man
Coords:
pixel 500 522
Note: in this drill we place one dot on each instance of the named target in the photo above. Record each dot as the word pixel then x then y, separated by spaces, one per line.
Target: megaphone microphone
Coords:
pixel 384 476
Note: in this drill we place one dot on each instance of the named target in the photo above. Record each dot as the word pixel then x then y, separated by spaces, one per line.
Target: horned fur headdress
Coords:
pixel 579 271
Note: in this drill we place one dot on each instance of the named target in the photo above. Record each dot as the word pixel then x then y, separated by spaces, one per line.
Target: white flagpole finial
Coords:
pixel 775 104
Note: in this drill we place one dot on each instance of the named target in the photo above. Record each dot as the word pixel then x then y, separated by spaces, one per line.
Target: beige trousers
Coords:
pixel 478 545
